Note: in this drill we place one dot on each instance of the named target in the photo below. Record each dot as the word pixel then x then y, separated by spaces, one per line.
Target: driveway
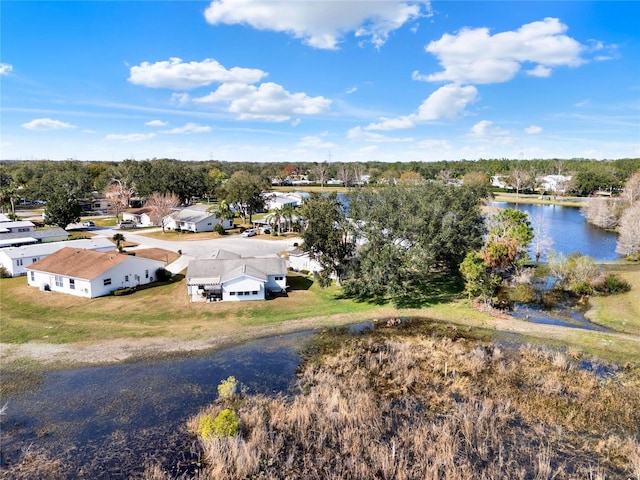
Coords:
pixel 247 247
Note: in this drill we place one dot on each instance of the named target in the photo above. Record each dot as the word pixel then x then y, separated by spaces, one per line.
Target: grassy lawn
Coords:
pixel 620 312
pixel 29 315
pixel 538 199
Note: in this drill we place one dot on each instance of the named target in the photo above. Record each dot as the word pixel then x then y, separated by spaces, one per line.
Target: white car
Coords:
pixel 249 232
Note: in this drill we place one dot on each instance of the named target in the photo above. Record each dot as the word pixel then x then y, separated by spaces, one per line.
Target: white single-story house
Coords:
pixel 195 221
pixel 299 260
pixel 139 216
pixel 235 279
pixel 554 183
pixel 16 259
pixel 39 235
pixel 16 226
pixel 90 274
pixel 276 200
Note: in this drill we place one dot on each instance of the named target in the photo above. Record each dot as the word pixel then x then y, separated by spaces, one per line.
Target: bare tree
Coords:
pixel 358 172
pixel 629 231
pixel 345 174
pixel 631 191
pixel 161 205
pixel 321 173
pixel 119 194
pixel 520 179
pixel 602 212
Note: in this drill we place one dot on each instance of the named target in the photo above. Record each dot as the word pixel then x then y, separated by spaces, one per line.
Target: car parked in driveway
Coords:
pixel 88 224
pixel 249 232
pixel 125 224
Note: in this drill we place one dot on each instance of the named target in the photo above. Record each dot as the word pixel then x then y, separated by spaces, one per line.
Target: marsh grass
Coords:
pixel 434 407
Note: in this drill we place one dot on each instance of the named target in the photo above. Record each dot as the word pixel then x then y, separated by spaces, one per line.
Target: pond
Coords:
pixel 110 422
pixel 565 230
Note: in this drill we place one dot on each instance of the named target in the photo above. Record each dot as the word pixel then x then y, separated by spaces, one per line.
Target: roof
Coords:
pixel 5 240
pixel 79 263
pixel 139 211
pixel 38 234
pixel 6 226
pixel 190 215
pixel 224 254
pixel 210 271
pixel 27 251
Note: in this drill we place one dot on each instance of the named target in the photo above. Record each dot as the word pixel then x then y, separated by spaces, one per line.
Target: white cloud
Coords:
pixel 269 101
pixel 485 128
pixel 5 68
pixel 177 75
pixel 475 56
pixel 540 71
pixel 449 101
pixel 131 137
pixel 156 123
pixel 351 90
pixel 180 99
pixel 189 128
pixel 318 24
pixel 46 124
pixel 533 129
pixel 358 134
pixel 315 142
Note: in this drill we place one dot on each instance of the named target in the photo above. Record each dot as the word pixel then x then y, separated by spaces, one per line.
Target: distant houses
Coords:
pixel 195 220
pixel 24 232
pixel 90 273
pixel 229 277
pixel 15 260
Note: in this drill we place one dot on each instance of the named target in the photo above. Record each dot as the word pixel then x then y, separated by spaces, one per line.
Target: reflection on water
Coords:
pixel 567 231
pixel 110 422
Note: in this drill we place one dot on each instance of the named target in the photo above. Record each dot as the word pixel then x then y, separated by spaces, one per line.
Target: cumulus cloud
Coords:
pixel 156 123
pixel 314 23
pixel 5 68
pixel 178 75
pixel 477 57
pixel 449 101
pixel 533 129
pixel 268 101
pixel 315 142
pixel 485 128
pixel 46 124
pixel 131 137
pixel 358 134
pixel 189 128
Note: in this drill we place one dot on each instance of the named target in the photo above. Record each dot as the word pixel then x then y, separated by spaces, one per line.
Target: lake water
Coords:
pixel 110 422
pixel 567 231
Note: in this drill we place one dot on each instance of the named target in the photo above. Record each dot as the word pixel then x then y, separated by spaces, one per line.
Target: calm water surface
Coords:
pixel 109 422
pixel 567 231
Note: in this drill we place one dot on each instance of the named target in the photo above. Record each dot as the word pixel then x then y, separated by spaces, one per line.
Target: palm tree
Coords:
pixel 118 238
pixel 274 218
pixel 288 212
pixel 222 210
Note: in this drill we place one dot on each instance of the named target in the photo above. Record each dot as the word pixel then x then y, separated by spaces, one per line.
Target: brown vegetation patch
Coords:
pixel 435 408
pixel 157 254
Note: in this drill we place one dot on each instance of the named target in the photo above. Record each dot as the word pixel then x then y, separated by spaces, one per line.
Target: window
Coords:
pixel 72 284
pixel 126 278
pixel 19 262
pixel 58 281
pixel 34 260
pixel 146 274
pixel 240 293
pixel 255 292
pixel 279 278
pixel 107 281
pixel 232 293
pixel 33 277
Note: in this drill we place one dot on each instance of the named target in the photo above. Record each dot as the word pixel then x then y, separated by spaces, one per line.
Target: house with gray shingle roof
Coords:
pixel 195 220
pixel 16 259
pixel 88 273
pixel 234 278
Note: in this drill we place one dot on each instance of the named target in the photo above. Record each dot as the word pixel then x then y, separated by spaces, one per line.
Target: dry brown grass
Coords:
pixel 436 408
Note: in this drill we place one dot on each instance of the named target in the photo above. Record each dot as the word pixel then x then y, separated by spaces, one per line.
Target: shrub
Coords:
pixel 123 291
pixel 226 424
pixel 219 229
pixel 205 427
pixel 228 388
pixel 4 273
pixel 162 274
pixel 612 284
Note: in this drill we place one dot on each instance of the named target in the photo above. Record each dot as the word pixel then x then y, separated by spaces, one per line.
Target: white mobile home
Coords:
pixel 90 274
pixel 194 220
pixel 16 259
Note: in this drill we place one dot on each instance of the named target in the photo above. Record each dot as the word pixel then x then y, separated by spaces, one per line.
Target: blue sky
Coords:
pixel 300 80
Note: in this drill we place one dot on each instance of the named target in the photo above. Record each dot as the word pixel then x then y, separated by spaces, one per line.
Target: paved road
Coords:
pixel 247 247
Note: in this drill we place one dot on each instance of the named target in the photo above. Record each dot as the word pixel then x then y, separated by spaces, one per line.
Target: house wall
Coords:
pixel 232 288
pixel 304 262
pixel 276 283
pixel 130 273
